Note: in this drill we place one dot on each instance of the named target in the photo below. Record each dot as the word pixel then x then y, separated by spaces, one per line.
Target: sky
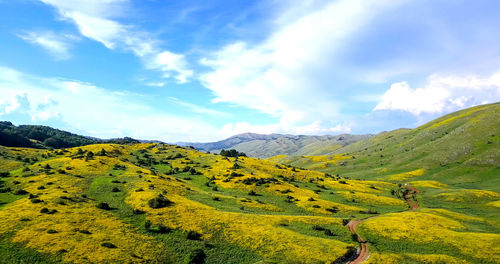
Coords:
pixel 200 71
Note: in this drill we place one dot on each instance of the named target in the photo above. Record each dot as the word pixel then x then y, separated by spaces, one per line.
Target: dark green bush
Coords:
pixel 108 245
pixel 195 257
pixel 318 228
pixel 104 206
pixel 20 192
pixel 329 232
pixel 139 211
pixel 159 202
pixel 193 235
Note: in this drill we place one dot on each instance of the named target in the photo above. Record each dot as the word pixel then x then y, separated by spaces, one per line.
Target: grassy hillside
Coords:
pixel 264 146
pixel 427 195
pixel 462 144
pixel 453 161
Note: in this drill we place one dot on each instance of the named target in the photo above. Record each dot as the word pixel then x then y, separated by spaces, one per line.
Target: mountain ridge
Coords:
pixel 267 145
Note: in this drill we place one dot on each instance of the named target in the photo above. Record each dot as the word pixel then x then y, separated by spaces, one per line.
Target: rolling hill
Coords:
pixel 33 136
pixel 424 195
pixel 264 146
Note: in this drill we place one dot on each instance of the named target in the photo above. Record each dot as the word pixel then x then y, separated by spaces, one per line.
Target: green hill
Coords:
pixel 46 137
pixel 461 148
pixel 424 195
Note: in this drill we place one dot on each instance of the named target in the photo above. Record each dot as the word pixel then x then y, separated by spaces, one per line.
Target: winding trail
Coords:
pixel 364 252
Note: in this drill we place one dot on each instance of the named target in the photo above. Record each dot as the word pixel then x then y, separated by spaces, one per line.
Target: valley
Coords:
pixel 425 195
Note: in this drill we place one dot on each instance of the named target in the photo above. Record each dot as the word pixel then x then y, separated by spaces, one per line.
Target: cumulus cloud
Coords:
pixel 96 20
pixel 90 110
pixel 442 94
pixel 16 103
pixel 287 75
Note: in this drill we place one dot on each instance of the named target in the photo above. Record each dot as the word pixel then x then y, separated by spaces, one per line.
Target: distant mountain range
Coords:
pixel 264 146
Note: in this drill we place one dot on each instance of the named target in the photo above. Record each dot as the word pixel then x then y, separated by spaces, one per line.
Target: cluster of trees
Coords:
pixel 46 137
pixel 232 153
pixel 40 137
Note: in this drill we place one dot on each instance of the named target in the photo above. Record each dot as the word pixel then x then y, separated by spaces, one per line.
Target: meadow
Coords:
pixel 161 203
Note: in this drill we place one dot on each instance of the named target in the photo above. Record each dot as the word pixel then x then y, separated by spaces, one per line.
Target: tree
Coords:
pixel 232 153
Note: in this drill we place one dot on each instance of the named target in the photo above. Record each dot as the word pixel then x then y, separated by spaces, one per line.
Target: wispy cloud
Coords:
pixel 199 109
pixel 95 20
pixel 284 75
pixel 57 45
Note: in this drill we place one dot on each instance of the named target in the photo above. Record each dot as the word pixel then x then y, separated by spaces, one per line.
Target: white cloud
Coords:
pixel 94 21
pixel 86 109
pixel 56 44
pixel 167 62
pixel 288 75
pixel 17 103
pixel 442 94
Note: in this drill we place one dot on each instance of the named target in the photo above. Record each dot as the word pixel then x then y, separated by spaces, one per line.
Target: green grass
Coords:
pixel 382 244
pixel 17 253
pixel 217 250
pixel 340 232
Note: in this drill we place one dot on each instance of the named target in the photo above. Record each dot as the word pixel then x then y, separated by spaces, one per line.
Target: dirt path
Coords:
pixel 413 204
pixel 364 252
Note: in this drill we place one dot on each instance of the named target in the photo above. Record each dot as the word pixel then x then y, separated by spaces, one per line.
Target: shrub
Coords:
pixel 252 193
pixel 115 189
pixel 108 245
pixel 5 190
pixel 195 257
pixel 333 210
pixel 20 192
pixel 86 232
pixel 216 198
pixel 147 225
pixel 159 202
pixel 36 200
pixel 139 211
pixel 4 174
pixel 329 232
pixel 232 153
pixel 119 167
pixel 52 231
pixel 104 206
pixel 44 210
pixel 318 228
pixel 193 235
pixel 163 229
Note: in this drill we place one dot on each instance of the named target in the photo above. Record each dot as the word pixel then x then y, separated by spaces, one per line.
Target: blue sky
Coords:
pixel 206 70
